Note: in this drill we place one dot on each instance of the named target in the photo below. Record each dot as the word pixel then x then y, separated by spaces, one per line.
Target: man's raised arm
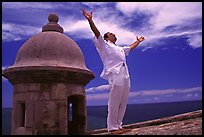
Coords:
pixel 136 43
pixel 91 23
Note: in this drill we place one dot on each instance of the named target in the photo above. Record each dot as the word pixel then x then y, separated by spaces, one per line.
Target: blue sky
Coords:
pixel 166 67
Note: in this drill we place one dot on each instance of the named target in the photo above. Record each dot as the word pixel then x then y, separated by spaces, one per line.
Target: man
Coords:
pixel 116 72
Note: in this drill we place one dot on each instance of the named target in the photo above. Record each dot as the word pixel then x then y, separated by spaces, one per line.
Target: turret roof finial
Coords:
pixel 52 25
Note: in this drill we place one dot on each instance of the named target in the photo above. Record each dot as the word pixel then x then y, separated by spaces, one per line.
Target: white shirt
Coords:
pixel 112 56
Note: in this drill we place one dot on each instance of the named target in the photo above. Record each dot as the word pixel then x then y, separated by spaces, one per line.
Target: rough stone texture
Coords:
pixel 185 127
pixel 183 124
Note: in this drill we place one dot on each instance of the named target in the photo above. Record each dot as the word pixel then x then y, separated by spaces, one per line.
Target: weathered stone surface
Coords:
pixel 183 124
pixel 185 127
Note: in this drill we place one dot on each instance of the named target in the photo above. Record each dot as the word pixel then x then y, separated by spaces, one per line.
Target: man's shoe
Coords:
pixel 116 132
pixel 126 129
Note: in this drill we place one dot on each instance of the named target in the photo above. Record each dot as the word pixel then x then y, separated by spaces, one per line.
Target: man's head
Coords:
pixel 110 36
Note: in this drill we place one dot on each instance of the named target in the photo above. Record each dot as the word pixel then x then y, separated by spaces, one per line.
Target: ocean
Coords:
pixel 97 115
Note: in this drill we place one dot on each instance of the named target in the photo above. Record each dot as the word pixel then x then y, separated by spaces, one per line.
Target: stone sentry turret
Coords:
pixel 49 76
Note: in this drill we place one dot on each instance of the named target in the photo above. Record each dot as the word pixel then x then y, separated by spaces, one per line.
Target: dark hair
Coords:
pixel 105 35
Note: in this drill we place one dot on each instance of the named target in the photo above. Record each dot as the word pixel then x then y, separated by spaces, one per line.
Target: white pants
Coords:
pixel 118 97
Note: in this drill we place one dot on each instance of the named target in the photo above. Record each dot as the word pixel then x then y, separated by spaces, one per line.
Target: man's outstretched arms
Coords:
pixel 136 43
pixel 88 16
pixel 91 23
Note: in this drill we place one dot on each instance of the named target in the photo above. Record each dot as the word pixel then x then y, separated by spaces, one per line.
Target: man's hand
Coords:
pixel 88 16
pixel 91 23
pixel 140 39
pixel 135 44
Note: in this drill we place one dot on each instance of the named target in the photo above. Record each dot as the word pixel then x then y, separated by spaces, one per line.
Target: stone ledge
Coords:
pixel 184 127
pixel 156 122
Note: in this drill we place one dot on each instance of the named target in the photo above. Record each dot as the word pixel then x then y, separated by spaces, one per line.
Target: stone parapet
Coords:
pixel 183 124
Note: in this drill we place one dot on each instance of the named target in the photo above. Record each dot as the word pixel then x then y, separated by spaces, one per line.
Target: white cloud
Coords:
pixel 98 88
pixel 97 96
pixel 163 15
pixel 159 92
pixel 166 14
pixel 76 27
pixel 128 8
pixel 14 32
pixel 93 4
pixel 3 78
pixel 154 93
pixel 146 48
pixel 156 98
pixel 31 5
pixel 191 95
pixel 195 41
pixel 190 90
pixel 4 67
pixel 188 95
pixel 107 18
pixel 196 94
pixel 133 94
pixel 166 92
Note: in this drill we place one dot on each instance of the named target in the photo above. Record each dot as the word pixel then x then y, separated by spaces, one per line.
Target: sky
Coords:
pixel 166 67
